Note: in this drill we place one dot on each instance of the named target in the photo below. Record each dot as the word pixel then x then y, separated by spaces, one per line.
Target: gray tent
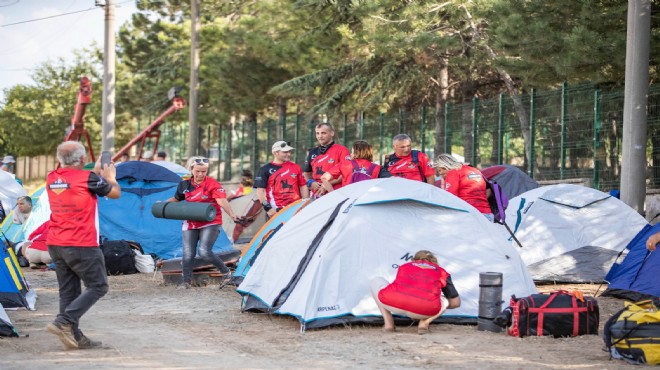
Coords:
pixel 510 178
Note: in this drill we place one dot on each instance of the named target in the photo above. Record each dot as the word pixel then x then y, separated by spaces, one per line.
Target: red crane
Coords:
pixel 152 131
pixel 78 129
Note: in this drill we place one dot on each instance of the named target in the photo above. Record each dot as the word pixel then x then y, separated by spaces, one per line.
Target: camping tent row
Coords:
pixel 318 266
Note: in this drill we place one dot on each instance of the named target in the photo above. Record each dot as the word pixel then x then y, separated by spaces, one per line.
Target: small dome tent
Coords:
pixel 319 265
pixel 571 233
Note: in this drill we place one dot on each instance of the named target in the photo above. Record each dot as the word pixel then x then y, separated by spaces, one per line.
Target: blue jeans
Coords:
pixel 206 237
pixel 73 265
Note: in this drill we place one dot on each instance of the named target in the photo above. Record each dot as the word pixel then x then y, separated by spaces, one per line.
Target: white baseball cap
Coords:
pixel 8 159
pixel 282 146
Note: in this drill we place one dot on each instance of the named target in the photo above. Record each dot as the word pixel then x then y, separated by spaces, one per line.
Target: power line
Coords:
pixel 14 3
pixel 54 16
pixel 44 18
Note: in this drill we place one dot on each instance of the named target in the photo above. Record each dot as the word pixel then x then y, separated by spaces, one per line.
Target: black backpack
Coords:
pixel 119 256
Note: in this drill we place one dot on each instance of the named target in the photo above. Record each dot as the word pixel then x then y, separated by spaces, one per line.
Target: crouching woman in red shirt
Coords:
pixel 422 290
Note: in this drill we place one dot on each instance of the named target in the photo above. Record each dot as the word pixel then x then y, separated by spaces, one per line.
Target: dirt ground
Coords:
pixel 145 324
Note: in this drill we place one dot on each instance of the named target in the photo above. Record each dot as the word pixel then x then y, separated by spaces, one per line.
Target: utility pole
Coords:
pixel 193 131
pixel 633 161
pixel 108 119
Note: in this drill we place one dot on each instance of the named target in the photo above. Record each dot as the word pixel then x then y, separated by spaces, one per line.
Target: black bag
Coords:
pixel 119 256
pixel 558 314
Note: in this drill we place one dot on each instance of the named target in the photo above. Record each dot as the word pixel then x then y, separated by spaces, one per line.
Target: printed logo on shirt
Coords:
pixel 294 175
pixel 473 176
pixel 411 165
pixel 272 170
pixel 58 186
pixel 331 160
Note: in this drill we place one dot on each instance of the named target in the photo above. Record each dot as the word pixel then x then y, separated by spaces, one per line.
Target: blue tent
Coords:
pixel 14 291
pixel 636 277
pixel 129 217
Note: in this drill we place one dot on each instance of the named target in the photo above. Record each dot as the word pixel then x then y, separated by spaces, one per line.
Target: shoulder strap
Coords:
pixel 415 159
pixel 355 165
pixel 371 170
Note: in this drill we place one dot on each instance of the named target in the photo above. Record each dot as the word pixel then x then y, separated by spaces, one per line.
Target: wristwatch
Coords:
pixel 266 205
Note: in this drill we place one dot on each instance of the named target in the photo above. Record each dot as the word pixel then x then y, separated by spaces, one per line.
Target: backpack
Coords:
pixel 632 333
pixel 120 257
pixel 497 200
pixel 358 174
pixel 385 171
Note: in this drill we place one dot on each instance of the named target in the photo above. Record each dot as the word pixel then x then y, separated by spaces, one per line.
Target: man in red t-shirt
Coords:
pixel 322 158
pixel 73 239
pixel 280 182
pixel 407 163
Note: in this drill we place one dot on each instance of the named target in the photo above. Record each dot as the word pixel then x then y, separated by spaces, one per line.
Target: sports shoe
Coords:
pixel 86 343
pixel 65 333
pixel 225 280
pixel 183 286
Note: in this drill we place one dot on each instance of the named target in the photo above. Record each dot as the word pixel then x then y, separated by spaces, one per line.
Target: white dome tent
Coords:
pixel 318 267
pixel 571 233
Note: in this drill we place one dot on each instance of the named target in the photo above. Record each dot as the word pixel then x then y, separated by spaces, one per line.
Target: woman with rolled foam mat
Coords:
pixel 201 188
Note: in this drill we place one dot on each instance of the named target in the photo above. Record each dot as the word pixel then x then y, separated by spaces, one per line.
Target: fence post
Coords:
pixel 242 144
pixel 296 137
pixel 500 131
pixel 447 128
pixel 400 121
pixel 597 108
pixel 475 123
pixel 361 126
pixel 564 119
pixel 380 134
pixel 255 148
pixel 423 128
pixel 345 137
pixel 532 132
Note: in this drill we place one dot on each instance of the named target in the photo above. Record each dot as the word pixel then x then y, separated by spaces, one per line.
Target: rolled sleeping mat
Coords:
pixel 490 300
pixel 192 211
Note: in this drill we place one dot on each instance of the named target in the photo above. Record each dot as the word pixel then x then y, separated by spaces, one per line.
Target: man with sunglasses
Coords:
pixel 280 182
pixel 322 158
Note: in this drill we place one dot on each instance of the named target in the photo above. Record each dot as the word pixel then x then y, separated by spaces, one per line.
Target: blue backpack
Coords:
pixel 359 174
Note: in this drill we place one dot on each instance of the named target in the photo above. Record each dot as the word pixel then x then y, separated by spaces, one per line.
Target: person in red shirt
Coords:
pixel 361 157
pixel 280 182
pixel 422 290
pixel 322 158
pixel 407 163
pixel 465 182
pixel 202 189
pixel 35 249
pixel 73 239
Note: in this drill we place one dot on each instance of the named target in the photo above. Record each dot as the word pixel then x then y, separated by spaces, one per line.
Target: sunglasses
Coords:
pixel 201 160
pixel 284 144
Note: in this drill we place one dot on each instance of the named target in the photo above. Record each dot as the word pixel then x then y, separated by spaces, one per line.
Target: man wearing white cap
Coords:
pixel 281 181
pixel 8 166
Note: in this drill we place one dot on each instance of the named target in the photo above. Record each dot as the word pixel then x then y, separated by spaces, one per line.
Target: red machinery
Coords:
pixel 77 129
pixel 152 130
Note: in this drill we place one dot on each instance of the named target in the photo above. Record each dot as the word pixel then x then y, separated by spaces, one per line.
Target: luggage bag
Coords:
pixel 557 314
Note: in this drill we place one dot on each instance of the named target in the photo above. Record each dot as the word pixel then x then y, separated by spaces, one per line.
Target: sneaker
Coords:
pixel 225 280
pixel 86 343
pixel 183 286
pixel 65 333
